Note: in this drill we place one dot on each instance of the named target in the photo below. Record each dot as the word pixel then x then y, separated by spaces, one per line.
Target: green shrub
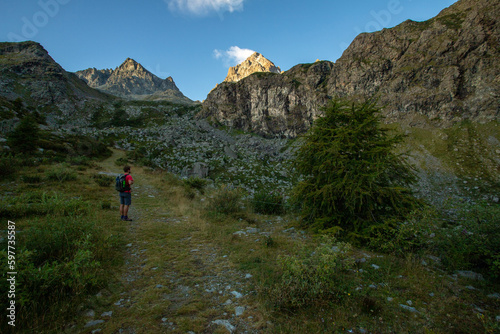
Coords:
pixel 268 203
pixel 58 261
pixel 472 239
pixel 105 205
pixel 196 183
pixel 269 242
pixel 31 178
pixel 313 277
pixel 121 162
pixel 8 165
pixel 104 180
pixel 61 174
pixel 402 237
pixel 225 201
pixel 25 137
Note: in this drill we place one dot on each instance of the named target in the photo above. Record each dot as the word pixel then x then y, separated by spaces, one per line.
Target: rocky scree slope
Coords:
pixel 437 72
pixel 132 81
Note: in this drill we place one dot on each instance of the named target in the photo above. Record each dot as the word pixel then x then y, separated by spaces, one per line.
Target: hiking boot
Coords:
pixel 127 219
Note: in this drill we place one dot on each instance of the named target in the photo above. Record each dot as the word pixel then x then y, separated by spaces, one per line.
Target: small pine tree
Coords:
pixel 352 178
pixel 25 137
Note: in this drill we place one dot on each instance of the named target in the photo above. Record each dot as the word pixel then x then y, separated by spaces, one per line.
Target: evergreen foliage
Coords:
pixel 353 180
pixel 25 137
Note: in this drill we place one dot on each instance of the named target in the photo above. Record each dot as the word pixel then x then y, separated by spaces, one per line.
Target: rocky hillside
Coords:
pixel 255 63
pixel 30 78
pixel 132 81
pixel 440 71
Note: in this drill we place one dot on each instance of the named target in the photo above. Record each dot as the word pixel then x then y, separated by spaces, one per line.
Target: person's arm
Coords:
pixel 130 180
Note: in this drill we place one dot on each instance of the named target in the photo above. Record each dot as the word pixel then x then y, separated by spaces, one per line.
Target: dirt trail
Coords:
pixel 174 279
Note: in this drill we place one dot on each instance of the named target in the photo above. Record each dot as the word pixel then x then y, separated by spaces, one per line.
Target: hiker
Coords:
pixel 126 195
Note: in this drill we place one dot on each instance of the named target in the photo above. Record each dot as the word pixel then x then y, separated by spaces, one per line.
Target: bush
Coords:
pixel 412 235
pixel 105 205
pixel 104 180
pixel 351 176
pixel 58 261
pixel 31 178
pixel 25 137
pixel 121 162
pixel 61 174
pixel 8 165
pixel 313 277
pixel 268 203
pixel 472 240
pixel 196 183
pixel 225 201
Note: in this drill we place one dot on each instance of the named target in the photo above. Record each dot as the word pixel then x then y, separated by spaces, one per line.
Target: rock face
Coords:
pixel 94 77
pixel 255 63
pixel 440 71
pixel 131 80
pixel 28 74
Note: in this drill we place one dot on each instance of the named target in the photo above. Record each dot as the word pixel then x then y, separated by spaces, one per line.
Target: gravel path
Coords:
pixel 172 280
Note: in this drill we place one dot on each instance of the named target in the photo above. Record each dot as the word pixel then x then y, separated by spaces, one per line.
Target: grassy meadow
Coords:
pixel 197 254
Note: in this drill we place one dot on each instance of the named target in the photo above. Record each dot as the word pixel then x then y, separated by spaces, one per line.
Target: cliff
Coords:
pixel 437 72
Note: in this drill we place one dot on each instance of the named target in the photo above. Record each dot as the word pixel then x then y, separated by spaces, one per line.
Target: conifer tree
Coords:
pixel 352 177
pixel 25 137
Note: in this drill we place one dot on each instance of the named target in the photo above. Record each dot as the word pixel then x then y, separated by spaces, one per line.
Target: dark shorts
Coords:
pixel 125 198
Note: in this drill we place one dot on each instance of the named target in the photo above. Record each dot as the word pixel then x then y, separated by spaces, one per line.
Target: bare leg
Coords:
pixel 125 210
pixel 122 210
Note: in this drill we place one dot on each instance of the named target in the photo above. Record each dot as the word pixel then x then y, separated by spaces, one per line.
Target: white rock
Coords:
pixel 408 308
pixel 375 266
pixel 471 275
pixel 236 294
pixel 226 324
pixel 239 310
pixel 89 313
pixel 93 323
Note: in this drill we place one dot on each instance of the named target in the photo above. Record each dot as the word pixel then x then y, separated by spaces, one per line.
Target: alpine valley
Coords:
pixel 182 263
pixel 438 81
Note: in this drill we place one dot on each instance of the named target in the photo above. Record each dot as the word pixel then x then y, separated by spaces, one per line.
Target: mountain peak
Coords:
pixel 130 65
pixel 255 63
pixel 132 80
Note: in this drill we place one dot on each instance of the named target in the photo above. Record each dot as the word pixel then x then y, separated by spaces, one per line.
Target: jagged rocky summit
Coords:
pixel 132 81
pixel 255 63
pixel 436 72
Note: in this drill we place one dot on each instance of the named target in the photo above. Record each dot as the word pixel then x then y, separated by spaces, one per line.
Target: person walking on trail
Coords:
pixel 126 195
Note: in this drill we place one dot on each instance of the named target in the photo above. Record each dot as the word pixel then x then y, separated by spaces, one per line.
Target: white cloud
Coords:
pixel 233 56
pixel 204 7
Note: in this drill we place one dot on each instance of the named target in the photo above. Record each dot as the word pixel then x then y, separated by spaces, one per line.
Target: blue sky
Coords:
pixel 195 41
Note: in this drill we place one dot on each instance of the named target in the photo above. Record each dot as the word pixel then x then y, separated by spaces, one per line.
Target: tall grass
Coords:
pixel 225 201
pixel 42 203
pixel 61 173
pixel 312 277
pixel 60 246
pixel 268 203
